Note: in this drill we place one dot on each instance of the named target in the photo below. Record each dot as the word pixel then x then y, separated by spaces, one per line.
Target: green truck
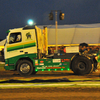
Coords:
pixel 26 51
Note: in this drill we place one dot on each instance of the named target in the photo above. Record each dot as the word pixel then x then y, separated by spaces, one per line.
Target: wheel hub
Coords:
pixel 81 66
pixel 25 68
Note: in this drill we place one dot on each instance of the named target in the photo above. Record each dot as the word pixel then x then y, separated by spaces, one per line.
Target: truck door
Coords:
pixel 14 47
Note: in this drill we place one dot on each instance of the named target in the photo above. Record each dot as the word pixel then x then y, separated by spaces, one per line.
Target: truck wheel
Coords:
pixel 82 65
pixel 25 67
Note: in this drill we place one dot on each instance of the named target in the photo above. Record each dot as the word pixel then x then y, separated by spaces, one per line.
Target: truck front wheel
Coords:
pixel 25 67
pixel 82 65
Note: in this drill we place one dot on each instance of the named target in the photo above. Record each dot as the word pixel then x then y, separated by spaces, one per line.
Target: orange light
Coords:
pixel 41 61
pixel 96 57
pixel 6 64
pixel 36 64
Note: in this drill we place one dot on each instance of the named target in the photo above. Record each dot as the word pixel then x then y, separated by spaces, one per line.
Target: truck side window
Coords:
pixel 15 37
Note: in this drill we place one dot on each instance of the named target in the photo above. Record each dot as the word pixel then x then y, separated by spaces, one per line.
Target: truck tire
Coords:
pixel 81 65
pixel 25 67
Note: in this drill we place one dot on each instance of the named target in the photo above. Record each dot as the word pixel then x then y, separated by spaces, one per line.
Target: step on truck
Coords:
pixel 26 51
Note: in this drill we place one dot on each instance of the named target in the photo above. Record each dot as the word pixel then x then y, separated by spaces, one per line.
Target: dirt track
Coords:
pixel 49 93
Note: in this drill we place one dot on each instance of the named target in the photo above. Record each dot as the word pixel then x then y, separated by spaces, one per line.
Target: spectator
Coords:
pixel 58 50
pixel 84 48
pixel 93 50
pixel 49 50
pixel 62 50
pixel 80 49
pixel 54 49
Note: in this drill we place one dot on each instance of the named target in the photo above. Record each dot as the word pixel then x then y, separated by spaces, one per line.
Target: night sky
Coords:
pixel 15 13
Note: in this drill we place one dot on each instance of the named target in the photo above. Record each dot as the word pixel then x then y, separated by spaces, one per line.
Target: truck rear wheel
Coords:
pixel 82 65
pixel 25 67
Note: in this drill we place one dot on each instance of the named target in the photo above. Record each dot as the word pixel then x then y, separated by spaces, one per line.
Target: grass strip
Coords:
pixel 60 84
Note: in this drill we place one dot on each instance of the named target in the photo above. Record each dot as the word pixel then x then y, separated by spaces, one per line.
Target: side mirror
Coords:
pixel 7 40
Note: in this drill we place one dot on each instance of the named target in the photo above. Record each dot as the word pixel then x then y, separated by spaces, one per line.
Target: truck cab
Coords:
pixel 22 42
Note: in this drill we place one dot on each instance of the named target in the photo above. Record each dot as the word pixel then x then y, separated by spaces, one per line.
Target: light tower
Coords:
pixel 61 17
